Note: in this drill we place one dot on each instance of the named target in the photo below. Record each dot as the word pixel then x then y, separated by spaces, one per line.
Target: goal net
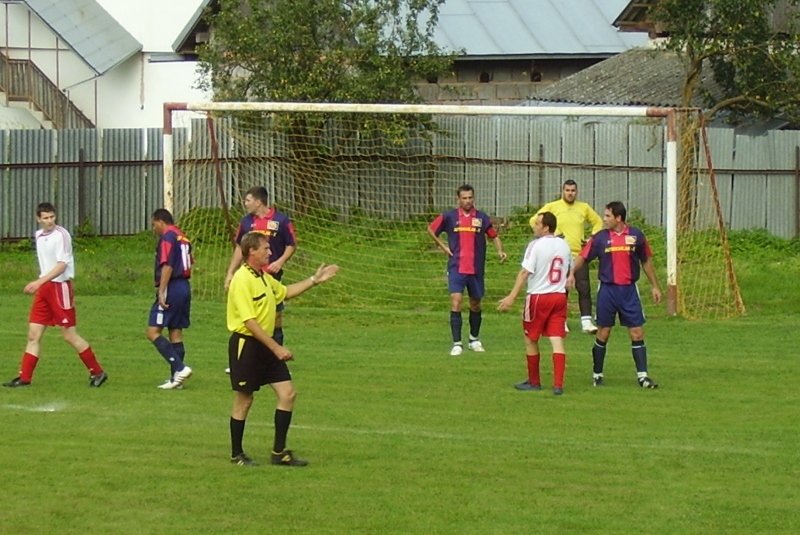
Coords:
pixel 362 182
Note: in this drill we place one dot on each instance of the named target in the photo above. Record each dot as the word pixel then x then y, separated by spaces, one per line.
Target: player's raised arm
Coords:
pixel 324 273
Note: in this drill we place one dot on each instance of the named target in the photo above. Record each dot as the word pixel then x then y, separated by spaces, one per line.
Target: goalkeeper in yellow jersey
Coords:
pixel 572 216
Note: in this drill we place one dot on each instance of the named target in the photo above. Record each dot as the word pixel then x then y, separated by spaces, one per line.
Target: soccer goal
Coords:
pixel 362 181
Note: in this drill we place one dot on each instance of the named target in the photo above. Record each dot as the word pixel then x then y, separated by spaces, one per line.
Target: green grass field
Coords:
pixel 401 437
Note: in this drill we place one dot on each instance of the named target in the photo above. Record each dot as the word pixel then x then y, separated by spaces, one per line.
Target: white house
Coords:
pixel 113 63
pixel 102 63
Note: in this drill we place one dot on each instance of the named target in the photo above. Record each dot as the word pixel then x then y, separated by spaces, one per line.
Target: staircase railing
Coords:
pixel 22 81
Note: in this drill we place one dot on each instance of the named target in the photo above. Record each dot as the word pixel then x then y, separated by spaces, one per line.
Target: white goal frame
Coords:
pixel 669 115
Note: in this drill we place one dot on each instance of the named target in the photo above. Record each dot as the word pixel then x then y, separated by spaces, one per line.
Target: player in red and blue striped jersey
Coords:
pixel 172 306
pixel 278 227
pixel 467 229
pixel 621 250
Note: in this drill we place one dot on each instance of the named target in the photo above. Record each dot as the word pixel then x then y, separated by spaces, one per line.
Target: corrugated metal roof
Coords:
pixel 533 28
pixel 485 29
pixel 634 16
pixel 94 35
pixel 634 78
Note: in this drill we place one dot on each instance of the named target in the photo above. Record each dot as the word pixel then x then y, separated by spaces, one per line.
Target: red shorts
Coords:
pixel 53 304
pixel 544 315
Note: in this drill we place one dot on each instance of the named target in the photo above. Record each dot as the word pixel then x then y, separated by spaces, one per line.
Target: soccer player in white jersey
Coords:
pixel 545 269
pixel 53 303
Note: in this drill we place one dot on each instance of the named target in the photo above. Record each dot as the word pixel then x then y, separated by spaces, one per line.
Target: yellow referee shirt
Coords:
pixel 571 220
pixel 253 295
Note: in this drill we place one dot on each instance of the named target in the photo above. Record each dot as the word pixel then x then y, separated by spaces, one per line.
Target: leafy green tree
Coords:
pixel 367 51
pixel 752 50
pixel 751 47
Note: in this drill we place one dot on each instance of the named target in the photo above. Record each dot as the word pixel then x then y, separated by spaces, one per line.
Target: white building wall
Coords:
pixel 130 95
pixel 154 23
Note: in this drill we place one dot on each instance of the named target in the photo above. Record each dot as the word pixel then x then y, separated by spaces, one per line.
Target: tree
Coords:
pixel 322 51
pixel 751 46
pixel 753 52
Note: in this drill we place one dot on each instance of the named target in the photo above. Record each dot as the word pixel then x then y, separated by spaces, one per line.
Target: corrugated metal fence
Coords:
pixel 111 179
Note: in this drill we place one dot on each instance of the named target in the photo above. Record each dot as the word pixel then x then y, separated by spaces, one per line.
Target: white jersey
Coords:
pixel 549 260
pixel 54 247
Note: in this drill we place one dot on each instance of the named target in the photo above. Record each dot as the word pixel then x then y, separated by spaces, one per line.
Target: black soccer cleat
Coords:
pixel 598 381
pixel 98 380
pixel 243 460
pixel 646 382
pixel 286 458
pixel 15 382
pixel 526 385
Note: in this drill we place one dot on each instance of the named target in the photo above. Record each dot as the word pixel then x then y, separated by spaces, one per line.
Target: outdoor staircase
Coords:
pixel 23 84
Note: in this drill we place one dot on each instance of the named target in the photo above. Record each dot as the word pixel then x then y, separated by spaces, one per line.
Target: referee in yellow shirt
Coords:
pixel 255 357
pixel 572 217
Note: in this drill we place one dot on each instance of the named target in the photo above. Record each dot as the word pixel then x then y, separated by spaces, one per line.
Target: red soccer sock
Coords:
pixel 533 369
pixel 27 366
pixel 559 364
pixel 90 361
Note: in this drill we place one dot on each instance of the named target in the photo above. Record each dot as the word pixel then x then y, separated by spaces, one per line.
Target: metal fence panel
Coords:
pixel 781 191
pixel 514 180
pixel 749 206
pixel 545 148
pixel 722 146
pixel 645 156
pixel 112 178
pixel 32 182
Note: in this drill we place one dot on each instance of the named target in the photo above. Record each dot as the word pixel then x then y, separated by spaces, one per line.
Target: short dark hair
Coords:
pixel 617 209
pixel 549 220
pixel 250 241
pixel 463 188
pixel 45 208
pixel 259 193
pixel 162 214
pixel 569 182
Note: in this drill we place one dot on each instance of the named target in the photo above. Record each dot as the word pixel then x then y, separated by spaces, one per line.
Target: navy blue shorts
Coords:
pixel 456 283
pixel 613 300
pixel 179 299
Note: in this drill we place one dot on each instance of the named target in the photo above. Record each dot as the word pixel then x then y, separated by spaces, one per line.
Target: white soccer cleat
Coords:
pixel 587 326
pixel 457 350
pixel 182 375
pixel 476 345
pixel 228 371
pixel 169 384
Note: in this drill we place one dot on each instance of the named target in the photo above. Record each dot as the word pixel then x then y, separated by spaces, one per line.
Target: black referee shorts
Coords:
pixel 253 364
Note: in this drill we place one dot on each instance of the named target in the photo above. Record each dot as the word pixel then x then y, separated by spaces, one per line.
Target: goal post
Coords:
pixel 210 161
